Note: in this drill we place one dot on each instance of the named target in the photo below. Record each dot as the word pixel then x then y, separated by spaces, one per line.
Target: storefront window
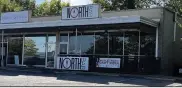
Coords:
pixel 64 43
pixel 15 45
pixel 131 43
pixel 81 44
pixel 101 43
pixel 116 43
pixel 147 46
pixel 51 45
pixel 86 43
pixel 34 50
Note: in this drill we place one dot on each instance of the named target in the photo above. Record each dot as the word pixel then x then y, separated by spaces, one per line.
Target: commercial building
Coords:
pixel 84 39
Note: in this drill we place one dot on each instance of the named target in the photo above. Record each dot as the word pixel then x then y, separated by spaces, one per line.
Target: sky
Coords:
pixel 72 2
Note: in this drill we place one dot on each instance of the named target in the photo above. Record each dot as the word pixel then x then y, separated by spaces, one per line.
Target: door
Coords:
pixel 64 43
pixel 51 48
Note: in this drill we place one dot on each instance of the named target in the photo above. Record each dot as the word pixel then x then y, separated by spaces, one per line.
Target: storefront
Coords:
pixel 82 39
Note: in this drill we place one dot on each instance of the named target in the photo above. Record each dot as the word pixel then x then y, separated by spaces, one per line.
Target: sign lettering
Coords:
pixel 109 62
pixel 73 63
pixel 81 12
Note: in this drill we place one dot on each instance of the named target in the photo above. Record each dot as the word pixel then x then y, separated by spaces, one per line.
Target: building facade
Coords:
pixel 84 39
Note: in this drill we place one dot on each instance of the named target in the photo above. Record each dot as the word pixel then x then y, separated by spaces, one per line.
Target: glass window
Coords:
pixel 131 43
pixel 64 38
pixel 63 48
pixel 51 50
pixel 147 46
pixel 73 44
pixel 101 43
pixel 15 45
pixel 34 50
pixel 116 43
pixel 86 43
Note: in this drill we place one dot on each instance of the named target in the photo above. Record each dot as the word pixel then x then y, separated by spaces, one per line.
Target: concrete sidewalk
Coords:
pixel 154 77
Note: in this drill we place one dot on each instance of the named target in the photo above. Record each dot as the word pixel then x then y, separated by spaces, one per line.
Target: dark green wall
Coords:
pixel 177 50
pixel 166 42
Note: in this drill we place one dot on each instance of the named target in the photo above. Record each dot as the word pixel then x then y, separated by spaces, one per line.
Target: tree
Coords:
pixel 108 5
pixel 30 47
pixel 6 6
pixel 175 5
pixel 47 8
pixel 25 4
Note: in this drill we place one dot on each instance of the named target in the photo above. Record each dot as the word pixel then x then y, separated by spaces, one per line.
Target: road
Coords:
pixel 13 78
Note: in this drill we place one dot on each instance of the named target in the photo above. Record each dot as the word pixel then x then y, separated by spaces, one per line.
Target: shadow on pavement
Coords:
pixel 118 80
pixel 114 79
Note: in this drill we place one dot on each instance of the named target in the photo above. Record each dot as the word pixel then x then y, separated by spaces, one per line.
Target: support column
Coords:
pixel 2 39
pixel 139 43
pixel 57 48
pixel 157 43
pixel 123 50
pixel 46 49
pixel 23 48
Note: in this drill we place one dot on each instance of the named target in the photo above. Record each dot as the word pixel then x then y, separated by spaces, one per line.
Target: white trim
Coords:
pixel 97 21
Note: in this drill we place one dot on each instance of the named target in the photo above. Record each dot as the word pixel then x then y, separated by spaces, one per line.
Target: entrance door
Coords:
pixel 51 48
pixel 64 43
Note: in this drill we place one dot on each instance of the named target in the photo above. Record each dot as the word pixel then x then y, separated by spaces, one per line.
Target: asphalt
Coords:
pixel 151 77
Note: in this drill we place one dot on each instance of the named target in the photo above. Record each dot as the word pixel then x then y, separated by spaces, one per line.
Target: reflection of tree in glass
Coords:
pixel 148 45
pixel 101 42
pixel 101 45
pixel 131 45
pixel 30 47
pixel 15 46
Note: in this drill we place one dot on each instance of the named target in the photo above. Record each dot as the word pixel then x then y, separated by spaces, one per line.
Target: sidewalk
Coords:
pixel 154 77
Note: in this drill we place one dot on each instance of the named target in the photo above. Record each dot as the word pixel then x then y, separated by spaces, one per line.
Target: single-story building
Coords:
pixel 85 39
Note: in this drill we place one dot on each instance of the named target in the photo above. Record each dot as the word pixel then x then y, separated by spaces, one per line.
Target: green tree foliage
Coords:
pixel 30 47
pixel 108 5
pixel 175 5
pixel 7 6
pixel 47 8
pixel 14 46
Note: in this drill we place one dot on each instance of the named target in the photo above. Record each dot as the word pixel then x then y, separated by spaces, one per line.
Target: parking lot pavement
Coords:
pixel 10 78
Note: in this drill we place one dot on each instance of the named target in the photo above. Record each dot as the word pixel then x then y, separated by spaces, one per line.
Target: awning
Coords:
pixel 81 22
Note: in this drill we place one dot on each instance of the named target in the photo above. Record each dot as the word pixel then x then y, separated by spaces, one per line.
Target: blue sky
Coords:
pixel 72 2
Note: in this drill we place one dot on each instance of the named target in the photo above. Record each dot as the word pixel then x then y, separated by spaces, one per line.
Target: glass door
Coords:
pixel 51 48
pixel 64 41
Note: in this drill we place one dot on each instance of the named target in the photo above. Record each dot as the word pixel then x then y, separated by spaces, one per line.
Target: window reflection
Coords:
pixel 147 46
pixel 15 45
pixel 86 44
pixel 51 50
pixel 116 43
pixel 101 43
pixel 131 43
pixel 34 50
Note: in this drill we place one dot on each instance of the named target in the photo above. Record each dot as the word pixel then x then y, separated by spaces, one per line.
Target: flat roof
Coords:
pixel 81 22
